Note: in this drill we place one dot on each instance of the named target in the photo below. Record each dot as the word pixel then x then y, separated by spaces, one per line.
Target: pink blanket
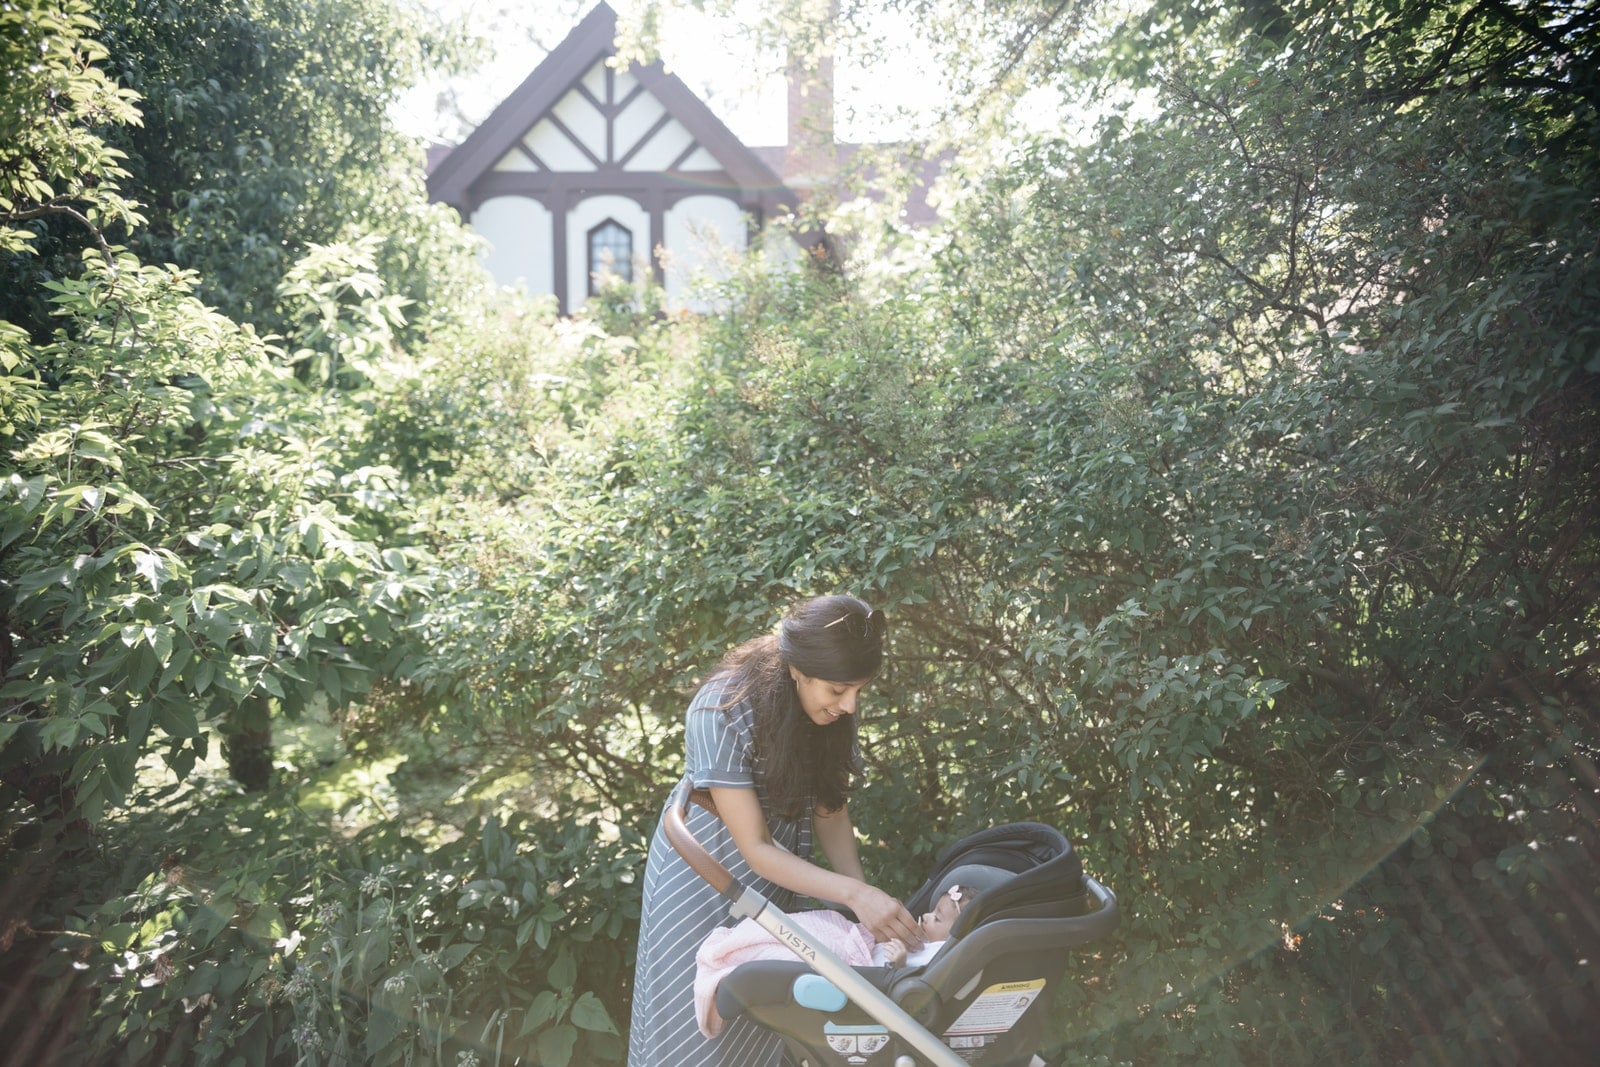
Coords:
pixel 729 946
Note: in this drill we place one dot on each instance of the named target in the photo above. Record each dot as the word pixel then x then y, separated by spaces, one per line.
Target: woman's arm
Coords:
pixel 837 837
pixel 741 812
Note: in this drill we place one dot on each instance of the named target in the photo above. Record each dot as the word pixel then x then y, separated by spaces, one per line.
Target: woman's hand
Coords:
pixel 882 914
pixel 885 916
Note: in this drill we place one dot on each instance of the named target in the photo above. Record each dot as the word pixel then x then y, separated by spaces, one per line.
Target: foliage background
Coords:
pixel 1227 470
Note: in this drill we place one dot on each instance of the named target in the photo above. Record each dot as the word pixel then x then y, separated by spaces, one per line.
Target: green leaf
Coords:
pixel 58 732
pixel 142 665
pixel 383 1027
pixel 555 1045
pixel 121 761
pixel 152 568
pixel 591 1014
pixel 202 980
pixel 451 957
pixel 564 971
pixel 266 923
pixel 545 1007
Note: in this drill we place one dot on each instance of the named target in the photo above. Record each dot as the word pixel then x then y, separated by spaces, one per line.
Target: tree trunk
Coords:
pixel 248 745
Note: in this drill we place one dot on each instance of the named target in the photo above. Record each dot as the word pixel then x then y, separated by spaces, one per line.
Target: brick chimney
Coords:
pixel 810 159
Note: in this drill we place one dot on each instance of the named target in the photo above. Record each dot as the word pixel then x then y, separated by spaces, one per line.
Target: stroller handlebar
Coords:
pixel 1105 918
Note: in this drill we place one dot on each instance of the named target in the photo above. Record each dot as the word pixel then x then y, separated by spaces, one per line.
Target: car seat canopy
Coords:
pixel 979 876
pixel 1021 870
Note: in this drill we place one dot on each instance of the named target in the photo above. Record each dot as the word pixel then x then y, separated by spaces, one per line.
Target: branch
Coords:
pixel 1024 40
pixel 1530 27
pixel 71 212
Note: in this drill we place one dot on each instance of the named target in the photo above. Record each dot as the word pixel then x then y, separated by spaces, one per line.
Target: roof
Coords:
pixel 467 174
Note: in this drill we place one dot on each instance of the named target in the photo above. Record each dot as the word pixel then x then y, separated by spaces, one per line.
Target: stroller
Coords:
pixel 983 997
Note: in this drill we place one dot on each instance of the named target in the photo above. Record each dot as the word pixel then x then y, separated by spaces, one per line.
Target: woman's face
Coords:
pixel 823 701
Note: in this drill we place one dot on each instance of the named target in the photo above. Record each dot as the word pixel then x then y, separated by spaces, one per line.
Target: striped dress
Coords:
pixel 681 908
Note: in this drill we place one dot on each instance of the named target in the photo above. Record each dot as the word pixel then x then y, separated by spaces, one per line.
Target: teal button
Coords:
pixel 816 992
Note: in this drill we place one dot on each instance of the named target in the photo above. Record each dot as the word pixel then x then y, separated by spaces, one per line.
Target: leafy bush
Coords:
pixel 237 932
pixel 189 541
pixel 1230 513
pixel 134 622
pixel 1228 478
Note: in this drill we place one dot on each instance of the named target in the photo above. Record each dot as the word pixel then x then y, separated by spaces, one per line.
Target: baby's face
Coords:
pixel 936 923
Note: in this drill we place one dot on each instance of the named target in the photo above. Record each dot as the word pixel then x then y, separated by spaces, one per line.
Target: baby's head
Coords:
pixel 936 924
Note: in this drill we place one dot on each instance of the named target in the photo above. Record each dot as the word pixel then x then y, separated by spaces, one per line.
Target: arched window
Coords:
pixel 610 253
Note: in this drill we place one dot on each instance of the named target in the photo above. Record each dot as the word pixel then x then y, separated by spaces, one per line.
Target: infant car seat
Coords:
pixel 983 997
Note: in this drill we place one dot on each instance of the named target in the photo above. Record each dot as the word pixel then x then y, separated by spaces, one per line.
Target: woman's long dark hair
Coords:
pixel 836 638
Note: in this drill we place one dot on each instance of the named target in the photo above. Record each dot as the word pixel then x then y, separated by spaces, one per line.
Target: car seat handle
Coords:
pixel 693 852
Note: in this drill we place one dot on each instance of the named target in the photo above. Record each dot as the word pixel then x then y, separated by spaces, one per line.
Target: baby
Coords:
pixel 728 946
pixel 935 927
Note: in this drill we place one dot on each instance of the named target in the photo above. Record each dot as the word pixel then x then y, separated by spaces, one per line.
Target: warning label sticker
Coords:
pixel 995 1009
pixel 971 1047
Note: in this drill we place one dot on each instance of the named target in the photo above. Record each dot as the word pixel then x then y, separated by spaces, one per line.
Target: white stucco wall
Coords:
pixel 521 234
pixel 701 234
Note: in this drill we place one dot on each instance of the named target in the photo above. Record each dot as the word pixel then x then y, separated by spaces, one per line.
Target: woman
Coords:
pixel 772 735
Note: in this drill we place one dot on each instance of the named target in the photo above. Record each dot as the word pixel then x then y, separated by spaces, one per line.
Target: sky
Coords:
pixel 743 88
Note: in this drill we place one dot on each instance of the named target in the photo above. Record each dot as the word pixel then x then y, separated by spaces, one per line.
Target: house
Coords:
pixel 586 171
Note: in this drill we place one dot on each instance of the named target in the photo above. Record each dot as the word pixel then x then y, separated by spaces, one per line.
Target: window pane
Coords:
pixel 610 252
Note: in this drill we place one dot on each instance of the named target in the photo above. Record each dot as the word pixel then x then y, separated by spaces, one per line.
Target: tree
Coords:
pixel 172 548
pixel 1338 408
pixel 264 131
pixel 53 170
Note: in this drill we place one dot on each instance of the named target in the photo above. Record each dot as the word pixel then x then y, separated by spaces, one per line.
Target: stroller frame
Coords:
pixel 745 902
